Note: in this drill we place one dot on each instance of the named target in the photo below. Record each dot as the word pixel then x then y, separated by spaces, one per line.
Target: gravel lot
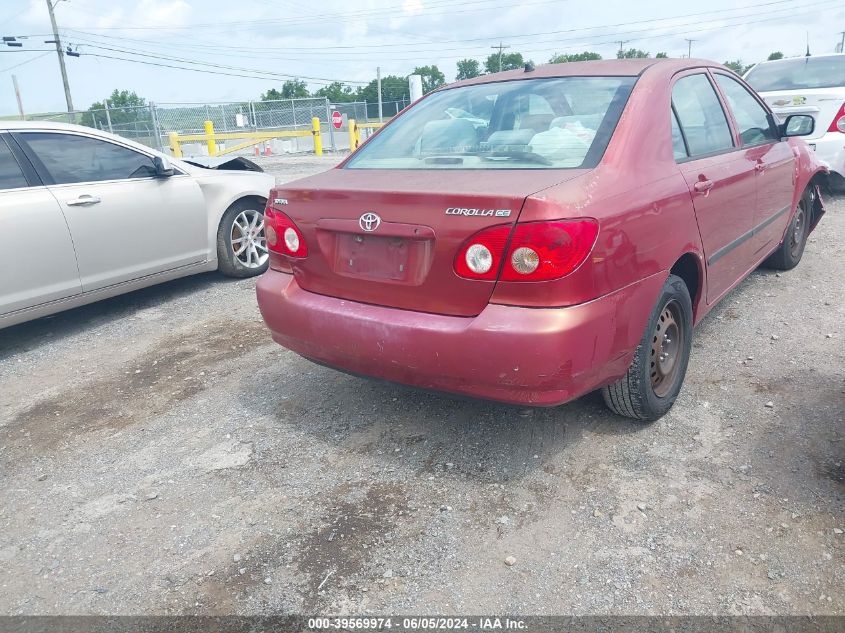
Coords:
pixel 160 454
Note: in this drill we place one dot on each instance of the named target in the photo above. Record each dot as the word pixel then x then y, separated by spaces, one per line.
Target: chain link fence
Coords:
pixel 151 124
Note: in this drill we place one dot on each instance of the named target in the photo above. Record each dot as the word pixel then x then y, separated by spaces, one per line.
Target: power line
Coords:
pixel 719 24
pixel 317 18
pixel 3 70
pixel 316 51
pixel 223 66
pixel 207 70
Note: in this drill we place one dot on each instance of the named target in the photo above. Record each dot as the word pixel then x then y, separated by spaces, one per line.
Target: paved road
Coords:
pixel 158 453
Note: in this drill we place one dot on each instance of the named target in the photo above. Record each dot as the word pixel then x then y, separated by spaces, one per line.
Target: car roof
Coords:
pixel 44 125
pixel 595 68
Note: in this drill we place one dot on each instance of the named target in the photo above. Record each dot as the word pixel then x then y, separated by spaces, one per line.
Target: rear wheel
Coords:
pixel 241 246
pixel 653 381
pixel 789 253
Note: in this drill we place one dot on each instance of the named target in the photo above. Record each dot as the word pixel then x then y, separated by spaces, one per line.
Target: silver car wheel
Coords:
pixel 248 242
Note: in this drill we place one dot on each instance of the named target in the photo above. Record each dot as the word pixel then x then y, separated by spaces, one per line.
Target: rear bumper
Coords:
pixel 830 148
pixel 539 357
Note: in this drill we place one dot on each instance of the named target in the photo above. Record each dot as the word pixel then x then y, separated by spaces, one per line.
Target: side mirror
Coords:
pixel 163 168
pixel 797 125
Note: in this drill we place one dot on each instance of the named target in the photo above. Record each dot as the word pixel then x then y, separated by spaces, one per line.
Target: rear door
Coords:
pixel 721 180
pixel 773 160
pixel 125 222
pixel 37 259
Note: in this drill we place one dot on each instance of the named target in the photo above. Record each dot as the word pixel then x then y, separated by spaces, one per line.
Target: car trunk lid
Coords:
pixel 420 219
pixel 820 103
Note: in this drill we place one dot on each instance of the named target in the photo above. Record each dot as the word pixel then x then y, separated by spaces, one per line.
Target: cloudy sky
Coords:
pixel 249 46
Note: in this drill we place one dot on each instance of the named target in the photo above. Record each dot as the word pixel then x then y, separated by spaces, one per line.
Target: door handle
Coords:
pixel 83 200
pixel 703 186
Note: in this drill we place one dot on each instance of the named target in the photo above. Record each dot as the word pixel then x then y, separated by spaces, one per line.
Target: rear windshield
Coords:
pixel 799 73
pixel 525 124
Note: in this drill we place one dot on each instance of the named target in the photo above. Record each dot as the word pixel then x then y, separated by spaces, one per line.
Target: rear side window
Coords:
pixel 11 176
pixel 700 115
pixel 71 159
pixel 751 118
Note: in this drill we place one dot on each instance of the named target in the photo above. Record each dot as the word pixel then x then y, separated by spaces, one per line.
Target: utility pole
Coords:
pixel 621 45
pixel 378 80
pixel 501 47
pixel 18 95
pixel 689 47
pixel 60 54
pixel 108 115
pixel 841 47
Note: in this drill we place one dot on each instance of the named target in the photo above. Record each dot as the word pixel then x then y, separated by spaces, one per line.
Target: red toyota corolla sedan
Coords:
pixel 534 235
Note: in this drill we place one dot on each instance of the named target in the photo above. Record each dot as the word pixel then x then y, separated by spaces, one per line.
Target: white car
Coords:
pixel 86 215
pixel 809 85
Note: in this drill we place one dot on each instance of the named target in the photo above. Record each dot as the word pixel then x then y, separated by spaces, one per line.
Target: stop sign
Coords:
pixel 337 120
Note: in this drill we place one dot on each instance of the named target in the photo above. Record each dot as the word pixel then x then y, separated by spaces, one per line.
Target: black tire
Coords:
pixel 790 251
pixel 230 230
pixel 646 393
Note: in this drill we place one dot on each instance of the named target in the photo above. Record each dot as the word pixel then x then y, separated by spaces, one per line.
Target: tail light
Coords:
pixel 481 255
pixel 536 251
pixel 282 235
pixel 838 124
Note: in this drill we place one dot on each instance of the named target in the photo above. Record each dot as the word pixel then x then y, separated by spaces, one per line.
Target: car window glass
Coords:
pixel 554 123
pixel 678 147
pixel 700 115
pixel 798 73
pixel 70 158
pixel 751 117
pixel 11 176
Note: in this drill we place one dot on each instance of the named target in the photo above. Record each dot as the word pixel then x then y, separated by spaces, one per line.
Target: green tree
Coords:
pixel 738 67
pixel 509 61
pixel 774 56
pixel 393 88
pixel 632 53
pixel 467 69
pixel 336 92
pixel 431 77
pixel 574 57
pixel 291 89
pixel 661 56
pixel 125 107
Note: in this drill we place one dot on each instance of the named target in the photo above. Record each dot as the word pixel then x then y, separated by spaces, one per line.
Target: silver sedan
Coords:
pixel 86 215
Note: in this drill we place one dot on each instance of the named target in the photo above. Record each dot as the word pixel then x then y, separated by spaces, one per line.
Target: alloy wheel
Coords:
pixel 248 242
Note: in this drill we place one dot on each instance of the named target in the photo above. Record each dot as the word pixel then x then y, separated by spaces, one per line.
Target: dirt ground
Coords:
pixel 160 454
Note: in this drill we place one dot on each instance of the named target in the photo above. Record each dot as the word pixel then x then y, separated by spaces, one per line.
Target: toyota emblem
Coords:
pixel 369 221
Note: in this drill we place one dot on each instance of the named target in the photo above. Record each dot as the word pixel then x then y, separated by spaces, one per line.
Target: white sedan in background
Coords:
pixel 86 215
pixel 809 85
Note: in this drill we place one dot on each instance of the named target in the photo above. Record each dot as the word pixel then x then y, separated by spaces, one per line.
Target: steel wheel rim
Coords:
pixel 799 225
pixel 667 345
pixel 248 242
